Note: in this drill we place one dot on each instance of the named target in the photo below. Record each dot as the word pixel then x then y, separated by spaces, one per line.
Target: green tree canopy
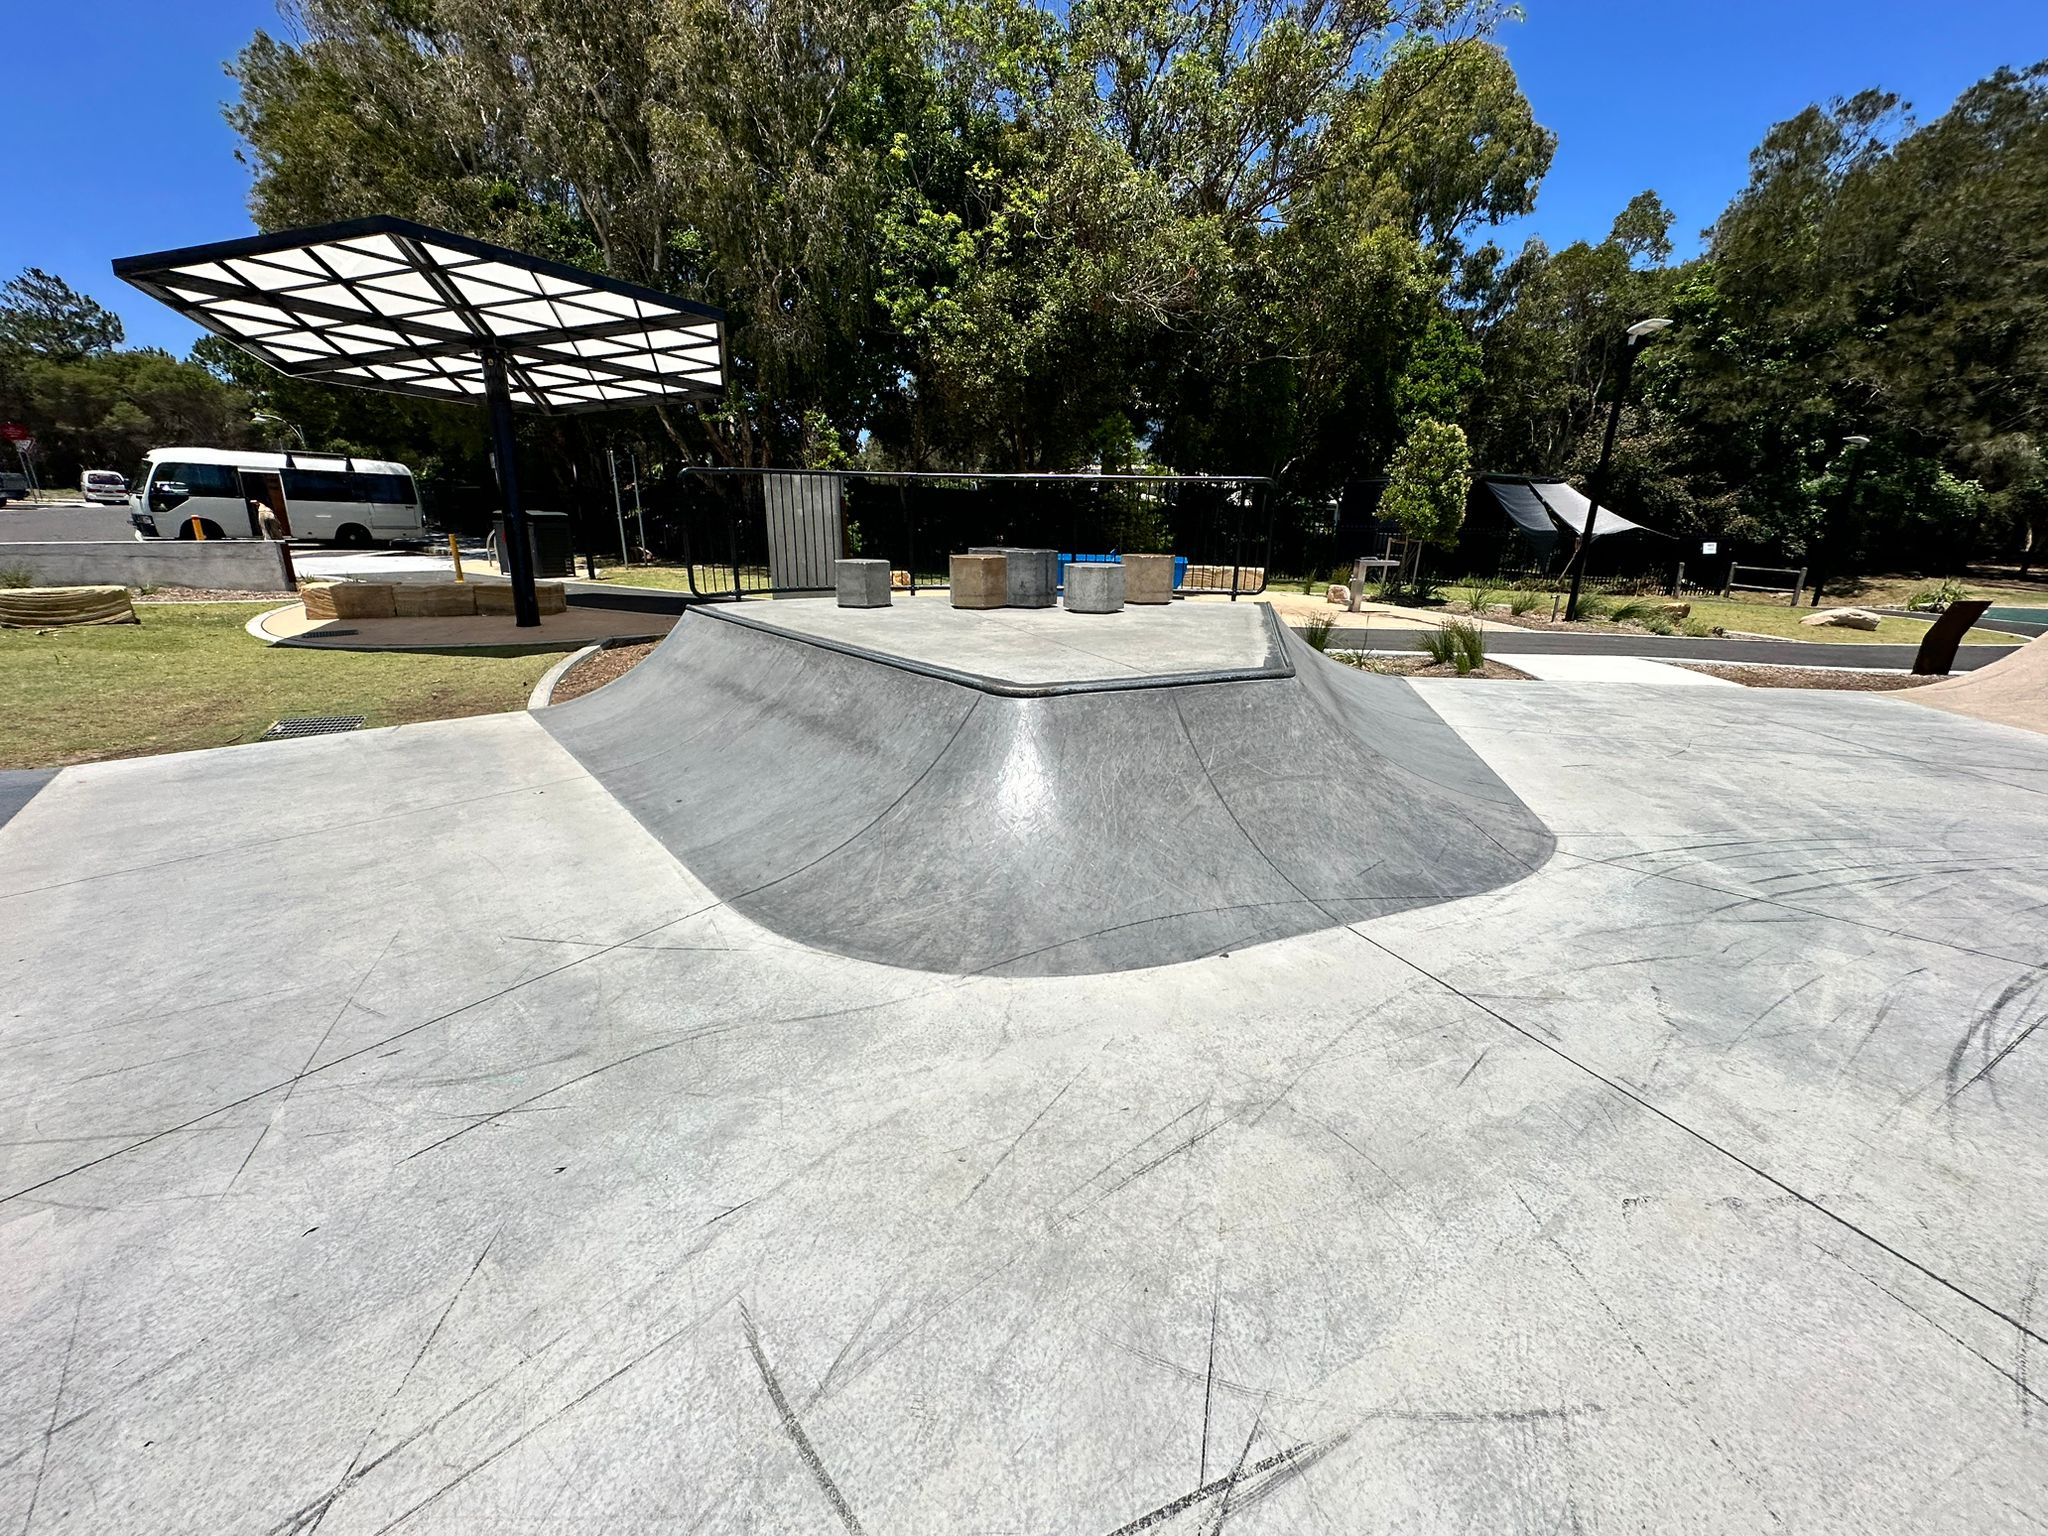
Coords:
pixel 45 315
pixel 1428 482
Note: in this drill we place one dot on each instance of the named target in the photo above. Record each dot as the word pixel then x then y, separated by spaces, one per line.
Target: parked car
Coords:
pixel 13 486
pixel 344 500
pixel 104 485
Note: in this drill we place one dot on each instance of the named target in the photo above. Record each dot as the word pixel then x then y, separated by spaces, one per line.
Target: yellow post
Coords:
pixel 455 554
pixel 198 532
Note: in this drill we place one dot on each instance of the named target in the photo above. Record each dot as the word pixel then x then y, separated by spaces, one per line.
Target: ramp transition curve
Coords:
pixel 915 821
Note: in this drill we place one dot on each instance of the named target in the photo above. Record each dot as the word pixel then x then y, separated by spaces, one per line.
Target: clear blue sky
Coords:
pixel 120 146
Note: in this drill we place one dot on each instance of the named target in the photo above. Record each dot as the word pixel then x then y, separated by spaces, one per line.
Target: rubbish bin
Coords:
pixel 548 536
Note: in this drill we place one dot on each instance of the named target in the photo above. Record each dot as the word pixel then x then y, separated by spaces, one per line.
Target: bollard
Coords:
pixel 455 554
pixel 198 532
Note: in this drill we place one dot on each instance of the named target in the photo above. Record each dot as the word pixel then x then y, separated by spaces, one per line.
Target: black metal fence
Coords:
pixel 748 532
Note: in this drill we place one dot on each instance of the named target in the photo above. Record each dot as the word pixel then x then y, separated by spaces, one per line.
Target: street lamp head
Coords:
pixel 1856 440
pixel 1646 328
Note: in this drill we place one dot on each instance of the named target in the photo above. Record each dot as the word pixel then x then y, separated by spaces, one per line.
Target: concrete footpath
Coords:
pixel 1614 669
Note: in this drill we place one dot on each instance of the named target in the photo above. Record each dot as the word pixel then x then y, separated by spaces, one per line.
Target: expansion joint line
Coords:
pixel 2019 1325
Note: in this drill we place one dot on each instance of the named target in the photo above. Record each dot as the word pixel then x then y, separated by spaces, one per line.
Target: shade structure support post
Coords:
pixel 505 455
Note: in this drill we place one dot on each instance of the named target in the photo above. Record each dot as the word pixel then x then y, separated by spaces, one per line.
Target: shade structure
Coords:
pixel 383 303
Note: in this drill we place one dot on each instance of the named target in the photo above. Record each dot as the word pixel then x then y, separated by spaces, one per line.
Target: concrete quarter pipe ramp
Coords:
pixel 862 806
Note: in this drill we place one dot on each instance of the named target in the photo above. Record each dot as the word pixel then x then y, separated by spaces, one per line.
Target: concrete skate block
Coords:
pixel 1033 575
pixel 1148 578
pixel 980 581
pixel 861 583
pixel 1095 587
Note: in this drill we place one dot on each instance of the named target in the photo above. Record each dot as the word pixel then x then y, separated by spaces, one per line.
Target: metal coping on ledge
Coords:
pixel 1277 666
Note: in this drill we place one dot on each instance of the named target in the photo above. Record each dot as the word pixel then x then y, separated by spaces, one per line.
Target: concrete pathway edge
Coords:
pixel 544 691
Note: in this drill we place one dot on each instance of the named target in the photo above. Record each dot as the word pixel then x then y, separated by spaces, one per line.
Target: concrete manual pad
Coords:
pixel 398 1138
pixel 1037 647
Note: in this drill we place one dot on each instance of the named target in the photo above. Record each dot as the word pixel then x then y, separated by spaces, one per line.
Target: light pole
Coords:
pixel 268 419
pixel 1635 336
pixel 1855 443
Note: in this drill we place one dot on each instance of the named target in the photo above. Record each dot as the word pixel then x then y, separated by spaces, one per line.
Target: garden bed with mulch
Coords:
pixel 1391 665
pixel 593 672
pixel 1808 677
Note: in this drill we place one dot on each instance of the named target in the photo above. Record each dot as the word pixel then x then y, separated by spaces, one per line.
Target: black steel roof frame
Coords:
pixel 427 333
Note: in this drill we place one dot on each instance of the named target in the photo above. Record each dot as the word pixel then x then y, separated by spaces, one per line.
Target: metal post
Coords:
pixel 1236 541
pixel 518 551
pixel 909 535
pixel 1826 552
pixel 639 511
pixel 1599 485
pixel 619 507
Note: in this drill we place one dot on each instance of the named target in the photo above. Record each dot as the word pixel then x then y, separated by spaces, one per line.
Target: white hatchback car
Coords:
pixel 104 485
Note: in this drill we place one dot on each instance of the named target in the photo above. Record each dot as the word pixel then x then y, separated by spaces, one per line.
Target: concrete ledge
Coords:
pixel 247 565
pixel 544 691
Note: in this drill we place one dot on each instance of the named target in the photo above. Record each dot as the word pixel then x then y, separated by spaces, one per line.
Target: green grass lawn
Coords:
pixel 1778 619
pixel 189 676
pixel 670 578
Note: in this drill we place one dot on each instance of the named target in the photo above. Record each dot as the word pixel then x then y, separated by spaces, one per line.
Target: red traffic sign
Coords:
pixel 14 432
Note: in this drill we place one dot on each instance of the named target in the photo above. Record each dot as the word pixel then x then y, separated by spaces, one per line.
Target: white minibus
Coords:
pixel 331 497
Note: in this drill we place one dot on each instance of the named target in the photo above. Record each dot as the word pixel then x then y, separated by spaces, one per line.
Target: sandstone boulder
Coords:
pixel 1842 618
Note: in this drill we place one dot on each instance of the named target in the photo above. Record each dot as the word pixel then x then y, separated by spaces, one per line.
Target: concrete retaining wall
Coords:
pixel 242 564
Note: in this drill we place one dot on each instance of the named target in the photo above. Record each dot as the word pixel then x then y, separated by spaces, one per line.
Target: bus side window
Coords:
pixel 389 490
pixel 320 485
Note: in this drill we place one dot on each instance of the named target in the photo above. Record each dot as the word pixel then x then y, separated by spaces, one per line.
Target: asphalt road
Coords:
pixel 1790 653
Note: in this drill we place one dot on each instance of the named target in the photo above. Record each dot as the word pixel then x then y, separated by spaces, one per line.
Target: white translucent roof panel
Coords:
pixel 387 304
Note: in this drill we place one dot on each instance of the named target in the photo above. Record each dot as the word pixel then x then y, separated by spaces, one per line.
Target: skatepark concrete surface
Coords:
pixel 399 1136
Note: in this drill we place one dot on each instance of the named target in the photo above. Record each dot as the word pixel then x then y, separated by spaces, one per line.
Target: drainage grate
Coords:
pixel 312 725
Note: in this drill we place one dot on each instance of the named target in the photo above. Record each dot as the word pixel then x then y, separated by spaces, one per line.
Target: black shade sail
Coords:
pixel 383 303
pixel 1544 509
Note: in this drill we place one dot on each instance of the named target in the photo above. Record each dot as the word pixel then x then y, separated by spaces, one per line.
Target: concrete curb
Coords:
pixel 255 625
pixel 544 691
